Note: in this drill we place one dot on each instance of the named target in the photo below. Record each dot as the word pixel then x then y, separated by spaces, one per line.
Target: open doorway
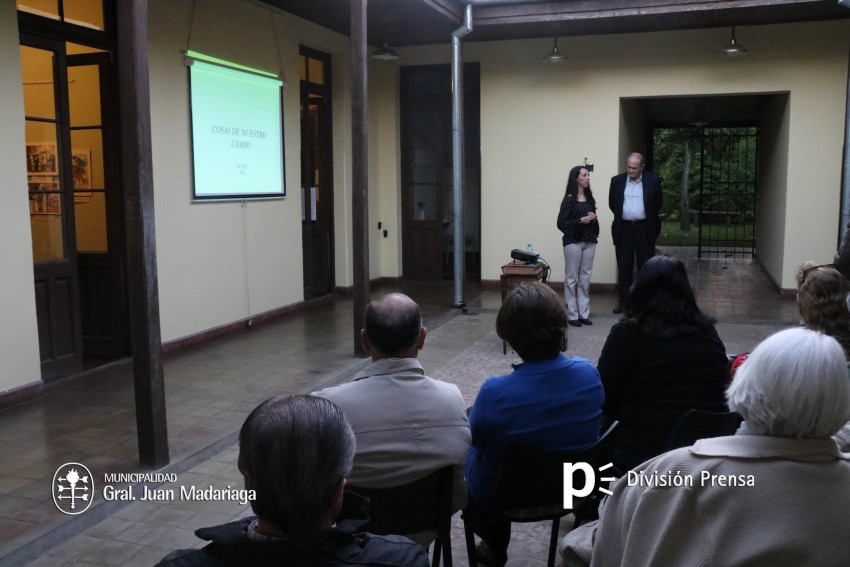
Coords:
pixel 711 178
pixel 723 160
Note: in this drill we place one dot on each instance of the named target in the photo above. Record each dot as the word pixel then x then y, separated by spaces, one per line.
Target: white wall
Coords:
pixel 538 120
pixel 384 169
pixel 19 355
pixel 771 202
pixel 223 262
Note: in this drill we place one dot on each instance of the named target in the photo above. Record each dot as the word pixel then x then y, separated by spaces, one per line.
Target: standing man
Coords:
pixel 635 199
pixel 407 425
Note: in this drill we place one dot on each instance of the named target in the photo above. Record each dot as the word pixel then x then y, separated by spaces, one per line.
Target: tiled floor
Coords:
pixel 210 390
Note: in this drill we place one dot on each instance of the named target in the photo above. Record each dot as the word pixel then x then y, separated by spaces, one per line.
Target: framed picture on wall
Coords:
pixel 44 196
pixel 42 159
pixel 81 166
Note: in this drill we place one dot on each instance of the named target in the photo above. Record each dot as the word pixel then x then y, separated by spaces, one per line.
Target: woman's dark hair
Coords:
pixel 572 185
pixel 662 301
pixel 822 298
pixel 533 320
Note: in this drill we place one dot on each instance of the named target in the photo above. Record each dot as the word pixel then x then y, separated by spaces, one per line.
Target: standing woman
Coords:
pixel 577 221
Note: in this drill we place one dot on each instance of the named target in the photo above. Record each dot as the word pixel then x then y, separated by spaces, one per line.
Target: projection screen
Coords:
pixel 237 133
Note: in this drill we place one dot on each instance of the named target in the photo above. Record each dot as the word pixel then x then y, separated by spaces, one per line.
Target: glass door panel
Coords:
pixel 87 163
pixel 45 8
pixel 48 174
pixel 86 13
pixel 43 157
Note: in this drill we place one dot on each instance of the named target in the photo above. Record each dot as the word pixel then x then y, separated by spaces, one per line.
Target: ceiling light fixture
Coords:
pixel 555 56
pixel 385 53
pixel 734 49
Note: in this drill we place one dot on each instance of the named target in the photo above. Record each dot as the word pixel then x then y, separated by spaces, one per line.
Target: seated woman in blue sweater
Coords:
pixel 550 401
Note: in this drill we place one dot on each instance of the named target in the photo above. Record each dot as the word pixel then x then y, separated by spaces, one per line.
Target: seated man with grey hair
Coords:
pixel 776 493
pixel 407 424
pixel 295 454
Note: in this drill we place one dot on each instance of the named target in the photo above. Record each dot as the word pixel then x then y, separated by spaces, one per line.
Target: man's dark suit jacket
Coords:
pixel 651 204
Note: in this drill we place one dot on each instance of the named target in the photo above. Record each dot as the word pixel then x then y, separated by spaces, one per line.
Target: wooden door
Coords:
pixel 51 204
pixel 316 175
pixel 75 204
pixel 427 184
pixel 99 234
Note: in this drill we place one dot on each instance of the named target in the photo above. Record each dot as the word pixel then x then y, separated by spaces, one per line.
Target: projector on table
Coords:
pixel 524 255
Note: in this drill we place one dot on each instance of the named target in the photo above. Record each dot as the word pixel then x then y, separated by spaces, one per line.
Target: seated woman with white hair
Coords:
pixel 776 493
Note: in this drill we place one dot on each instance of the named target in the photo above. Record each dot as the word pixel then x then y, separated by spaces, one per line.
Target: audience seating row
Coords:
pixel 529 489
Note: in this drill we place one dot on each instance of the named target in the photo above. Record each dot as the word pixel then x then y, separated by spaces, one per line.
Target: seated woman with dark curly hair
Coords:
pixel 822 294
pixel 663 359
pixel 822 299
pixel 550 401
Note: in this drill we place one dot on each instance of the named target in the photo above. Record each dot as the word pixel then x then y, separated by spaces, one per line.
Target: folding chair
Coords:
pixel 423 505
pixel 530 483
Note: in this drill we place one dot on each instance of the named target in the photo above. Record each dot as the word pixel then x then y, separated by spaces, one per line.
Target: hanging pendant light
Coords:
pixel 555 56
pixel 385 53
pixel 734 49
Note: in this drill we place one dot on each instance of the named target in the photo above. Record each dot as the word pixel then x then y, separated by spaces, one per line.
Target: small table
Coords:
pixel 513 274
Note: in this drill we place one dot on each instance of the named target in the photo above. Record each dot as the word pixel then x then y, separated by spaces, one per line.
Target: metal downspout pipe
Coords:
pixel 845 166
pixel 458 163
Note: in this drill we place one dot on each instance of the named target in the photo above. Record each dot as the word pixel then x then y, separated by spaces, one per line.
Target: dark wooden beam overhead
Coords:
pixel 448 8
pixel 422 22
pixel 592 17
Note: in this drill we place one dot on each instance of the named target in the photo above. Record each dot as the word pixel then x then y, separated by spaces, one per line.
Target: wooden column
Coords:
pixel 137 177
pixel 359 165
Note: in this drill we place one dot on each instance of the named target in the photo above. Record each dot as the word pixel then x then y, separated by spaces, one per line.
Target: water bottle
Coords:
pixel 529 248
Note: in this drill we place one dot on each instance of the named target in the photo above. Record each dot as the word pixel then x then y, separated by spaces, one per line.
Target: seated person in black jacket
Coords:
pixel 295 454
pixel 663 359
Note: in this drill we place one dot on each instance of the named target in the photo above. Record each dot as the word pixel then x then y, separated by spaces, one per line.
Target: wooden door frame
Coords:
pixel 470 70
pixel 114 202
pixel 53 368
pixel 325 134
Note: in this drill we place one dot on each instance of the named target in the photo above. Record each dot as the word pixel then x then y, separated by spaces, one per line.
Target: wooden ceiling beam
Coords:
pixel 597 9
pixel 451 9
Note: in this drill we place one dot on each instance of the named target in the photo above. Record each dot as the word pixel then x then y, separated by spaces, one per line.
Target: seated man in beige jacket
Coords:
pixel 407 425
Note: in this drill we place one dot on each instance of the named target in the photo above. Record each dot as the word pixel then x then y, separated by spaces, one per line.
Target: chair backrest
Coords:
pixel 532 479
pixel 697 424
pixel 422 505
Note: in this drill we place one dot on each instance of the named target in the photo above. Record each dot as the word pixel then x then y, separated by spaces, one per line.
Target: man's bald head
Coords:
pixel 393 325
